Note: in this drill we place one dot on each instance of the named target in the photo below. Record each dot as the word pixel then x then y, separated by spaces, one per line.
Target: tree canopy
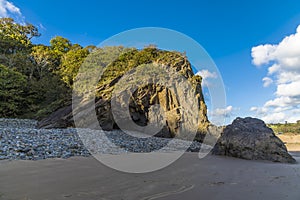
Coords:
pixel 13 92
pixel 39 75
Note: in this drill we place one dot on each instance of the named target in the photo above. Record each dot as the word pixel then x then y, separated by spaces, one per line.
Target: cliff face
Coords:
pixel 175 89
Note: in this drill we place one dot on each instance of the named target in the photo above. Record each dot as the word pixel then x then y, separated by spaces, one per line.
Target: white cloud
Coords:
pixel 289 90
pixel 276 114
pixel 254 108
pixel 267 81
pixel 285 55
pixel 259 110
pixel 206 75
pixel 42 27
pixel 273 69
pixel 283 62
pixel 281 115
pixel 223 112
pixel 262 54
pixel 221 116
pixel 279 102
pixel 8 9
pixel 274 117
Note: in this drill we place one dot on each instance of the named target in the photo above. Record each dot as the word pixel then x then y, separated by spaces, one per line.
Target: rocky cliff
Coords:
pixel 157 91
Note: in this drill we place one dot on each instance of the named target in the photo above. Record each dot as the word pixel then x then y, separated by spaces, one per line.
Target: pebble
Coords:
pixel 21 140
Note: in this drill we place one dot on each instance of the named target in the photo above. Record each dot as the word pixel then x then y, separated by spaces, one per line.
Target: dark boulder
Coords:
pixel 250 138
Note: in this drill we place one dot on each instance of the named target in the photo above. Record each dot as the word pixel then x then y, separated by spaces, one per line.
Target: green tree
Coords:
pixel 13 100
pixel 71 62
pixel 31 70
pixel 60 45
pixel 45 60
pixel 48 91
pixel 15 37
pixel 15 45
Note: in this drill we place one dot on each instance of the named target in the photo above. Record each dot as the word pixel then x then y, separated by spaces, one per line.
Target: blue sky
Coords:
pixel 228 30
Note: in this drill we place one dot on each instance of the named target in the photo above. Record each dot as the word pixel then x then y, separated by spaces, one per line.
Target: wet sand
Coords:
pixel 189 178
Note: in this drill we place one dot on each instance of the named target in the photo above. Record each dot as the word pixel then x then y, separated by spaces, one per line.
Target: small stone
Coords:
pixel 30 152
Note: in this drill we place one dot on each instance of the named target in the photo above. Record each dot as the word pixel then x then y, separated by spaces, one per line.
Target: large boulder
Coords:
pixel 145 97
pixel 250 138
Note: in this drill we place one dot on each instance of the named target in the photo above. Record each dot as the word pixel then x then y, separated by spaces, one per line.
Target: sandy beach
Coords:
pixel 292 142
pixel 213 177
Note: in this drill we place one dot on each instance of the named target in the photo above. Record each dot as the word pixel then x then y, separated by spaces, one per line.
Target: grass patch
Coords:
pixel 286 129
